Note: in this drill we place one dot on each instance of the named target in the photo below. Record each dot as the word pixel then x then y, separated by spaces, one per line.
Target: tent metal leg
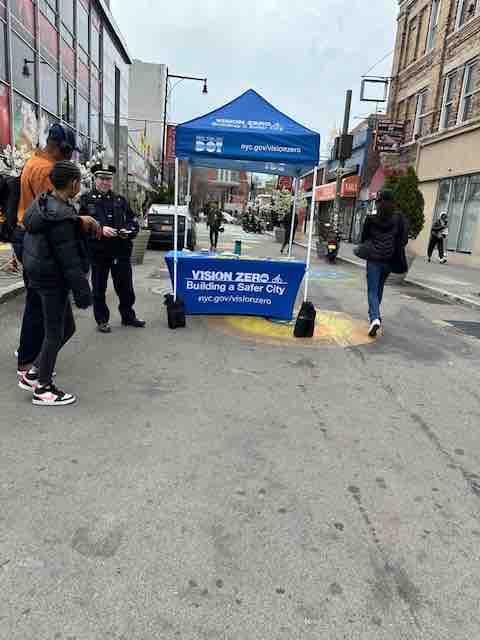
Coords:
pixel 310 235
pixel 175 233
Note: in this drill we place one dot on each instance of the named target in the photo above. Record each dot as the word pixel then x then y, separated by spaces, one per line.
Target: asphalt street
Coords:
pixel 211 485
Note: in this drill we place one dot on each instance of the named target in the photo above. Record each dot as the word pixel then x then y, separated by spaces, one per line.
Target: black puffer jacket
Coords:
pixel 385 234
pixel 54 253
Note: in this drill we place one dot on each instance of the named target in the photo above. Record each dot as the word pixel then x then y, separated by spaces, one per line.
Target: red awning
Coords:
pixel 350 189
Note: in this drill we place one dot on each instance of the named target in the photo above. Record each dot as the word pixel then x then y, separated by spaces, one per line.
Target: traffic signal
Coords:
pixel 343 147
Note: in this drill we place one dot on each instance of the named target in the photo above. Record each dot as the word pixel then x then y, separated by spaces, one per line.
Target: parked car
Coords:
pixel 229 219
pixel 160 221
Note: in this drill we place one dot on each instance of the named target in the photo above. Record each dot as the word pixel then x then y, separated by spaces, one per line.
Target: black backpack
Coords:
pixel 10 189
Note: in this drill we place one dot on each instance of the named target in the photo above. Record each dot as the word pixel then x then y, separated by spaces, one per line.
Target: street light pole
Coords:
pixel 168 76
pixel 341 162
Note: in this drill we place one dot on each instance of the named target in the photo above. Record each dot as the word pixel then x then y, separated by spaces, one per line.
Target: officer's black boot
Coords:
pixel 134 322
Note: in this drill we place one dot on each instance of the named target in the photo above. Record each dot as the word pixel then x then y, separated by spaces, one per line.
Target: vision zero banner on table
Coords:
pixel 238 287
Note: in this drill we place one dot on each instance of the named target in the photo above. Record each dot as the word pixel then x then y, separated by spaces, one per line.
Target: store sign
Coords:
pixel 389 137
pixel 349 189
pixel 284 183
pixel 170 151
pixel 326 192
pixel 350 186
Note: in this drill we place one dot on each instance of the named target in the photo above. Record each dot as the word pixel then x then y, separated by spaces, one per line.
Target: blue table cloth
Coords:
pixel 215 285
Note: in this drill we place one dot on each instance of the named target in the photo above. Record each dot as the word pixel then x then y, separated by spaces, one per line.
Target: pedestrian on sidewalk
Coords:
pixel 214 221
pixel 384 238
pixel 438 238
pixel 287 225
pixel 56 262
pixel 35 180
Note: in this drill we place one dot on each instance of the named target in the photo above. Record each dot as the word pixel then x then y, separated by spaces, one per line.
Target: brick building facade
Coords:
pixel 435 91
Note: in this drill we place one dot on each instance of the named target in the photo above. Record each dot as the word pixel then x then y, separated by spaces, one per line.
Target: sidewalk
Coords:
pixel 11 284
pixel 453 280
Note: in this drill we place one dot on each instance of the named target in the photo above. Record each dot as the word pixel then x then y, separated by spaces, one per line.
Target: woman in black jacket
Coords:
pixel 384 238
pixel 55 259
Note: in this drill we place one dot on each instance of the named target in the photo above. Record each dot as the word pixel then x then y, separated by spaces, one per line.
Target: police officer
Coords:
pixel 112 252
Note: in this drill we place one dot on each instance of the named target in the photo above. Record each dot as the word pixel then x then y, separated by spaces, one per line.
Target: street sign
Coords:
pixel 284 183
pixel 389 136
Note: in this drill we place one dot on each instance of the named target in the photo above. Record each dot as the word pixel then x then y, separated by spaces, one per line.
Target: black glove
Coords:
pixel 83 301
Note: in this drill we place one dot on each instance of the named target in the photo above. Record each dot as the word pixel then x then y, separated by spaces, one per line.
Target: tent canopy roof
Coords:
pixel 248 134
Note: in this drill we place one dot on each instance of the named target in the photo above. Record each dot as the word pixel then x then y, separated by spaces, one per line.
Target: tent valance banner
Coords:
pixel 251 133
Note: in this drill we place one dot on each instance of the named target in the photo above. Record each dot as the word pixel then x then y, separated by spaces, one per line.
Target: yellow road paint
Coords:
pixel 331 329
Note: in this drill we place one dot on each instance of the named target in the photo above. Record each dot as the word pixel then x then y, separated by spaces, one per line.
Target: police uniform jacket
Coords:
pixel 110 210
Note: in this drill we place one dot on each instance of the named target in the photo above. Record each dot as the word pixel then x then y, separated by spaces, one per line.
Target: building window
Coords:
pixel 471 87
pixel 3 51
pixel 411 41
pixel 68 60
pixel 95 38
pixel 49 86
pixel 82 32
pixel 94 125
pixel 49 10
pixel 82 112
pixel 4 116
pixel 68 103
pixel 447 101
pixel 67 13
pixel 23 19
pixel 21 53
pixel 25 124
pixel 419 128
pixel 466 10
pixel 433 26
pixel 48 40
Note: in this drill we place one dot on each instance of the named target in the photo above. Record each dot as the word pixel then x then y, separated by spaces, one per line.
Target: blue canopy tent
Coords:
pixel 248 134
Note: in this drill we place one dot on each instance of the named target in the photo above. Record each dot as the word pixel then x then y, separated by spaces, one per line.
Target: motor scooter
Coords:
pixel 333 245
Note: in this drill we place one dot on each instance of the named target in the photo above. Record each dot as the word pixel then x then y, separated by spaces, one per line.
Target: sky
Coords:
pixel 300 55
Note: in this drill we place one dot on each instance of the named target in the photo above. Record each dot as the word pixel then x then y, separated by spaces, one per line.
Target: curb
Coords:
pixel 441 293
pixel 11 291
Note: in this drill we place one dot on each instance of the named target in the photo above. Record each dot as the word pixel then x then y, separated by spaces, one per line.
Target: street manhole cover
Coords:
pixel 424 296
pixel 468 328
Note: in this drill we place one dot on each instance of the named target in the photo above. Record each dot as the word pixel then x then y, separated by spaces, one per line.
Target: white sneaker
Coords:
pixel 50 396
pixel 374 328
pixel 443 261
pixel 28 380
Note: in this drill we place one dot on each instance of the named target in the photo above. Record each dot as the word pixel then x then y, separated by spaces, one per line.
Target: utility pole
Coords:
pixel 341 161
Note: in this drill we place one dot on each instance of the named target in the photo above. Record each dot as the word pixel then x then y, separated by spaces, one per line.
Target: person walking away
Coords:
pixel 35 180
pixel 56 261
pixel 383 242
pixel 112 251
pixel 287 224
pixel 215 220
pixel 437 238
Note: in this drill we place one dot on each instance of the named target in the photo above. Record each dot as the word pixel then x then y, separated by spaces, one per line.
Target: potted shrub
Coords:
pixel 410 202
pixel 140 244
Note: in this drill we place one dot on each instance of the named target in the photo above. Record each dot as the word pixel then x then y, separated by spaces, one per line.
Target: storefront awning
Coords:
pixel 350 189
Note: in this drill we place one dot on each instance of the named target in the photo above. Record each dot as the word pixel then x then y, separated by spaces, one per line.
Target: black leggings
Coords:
pixel 214 236
pixel 59 328
pixel 436 242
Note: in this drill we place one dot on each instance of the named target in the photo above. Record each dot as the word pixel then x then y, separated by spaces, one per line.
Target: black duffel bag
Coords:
pixel 175 312
pixel 305 324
